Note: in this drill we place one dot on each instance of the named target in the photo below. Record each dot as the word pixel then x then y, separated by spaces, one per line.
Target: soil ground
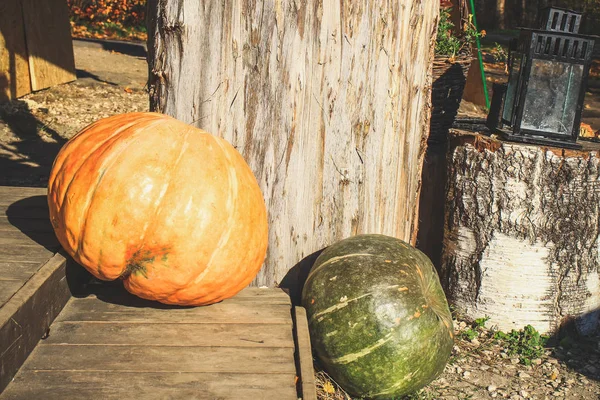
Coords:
pixel 111 80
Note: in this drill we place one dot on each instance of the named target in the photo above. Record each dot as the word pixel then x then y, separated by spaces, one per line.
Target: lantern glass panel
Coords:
pixel 552 95
pixel 511 91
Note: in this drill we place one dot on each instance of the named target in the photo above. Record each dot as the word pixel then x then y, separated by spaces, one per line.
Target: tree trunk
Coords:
pixel 522 234
pixel 328 103
pixel 500 14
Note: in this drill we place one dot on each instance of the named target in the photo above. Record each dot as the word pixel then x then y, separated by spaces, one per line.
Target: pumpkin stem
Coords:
pixel 135 268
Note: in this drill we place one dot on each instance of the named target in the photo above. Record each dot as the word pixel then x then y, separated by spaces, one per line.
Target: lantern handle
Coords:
pixel 485 90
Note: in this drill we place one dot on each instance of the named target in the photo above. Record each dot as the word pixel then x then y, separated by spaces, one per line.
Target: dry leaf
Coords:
pixel 586 131
pixel 128 90
pixel 328 387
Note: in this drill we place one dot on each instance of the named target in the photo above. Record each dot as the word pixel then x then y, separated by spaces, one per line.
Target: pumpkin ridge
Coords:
pixel 60 205
pixel 345 303
pixel 231 203
pixel 348 358
pixel 338 258
pixel 92 151
pixel 110 139
pixel 139 266
pixel 105 165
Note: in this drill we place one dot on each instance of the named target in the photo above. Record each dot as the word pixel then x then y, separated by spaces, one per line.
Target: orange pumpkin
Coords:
pixel 172 210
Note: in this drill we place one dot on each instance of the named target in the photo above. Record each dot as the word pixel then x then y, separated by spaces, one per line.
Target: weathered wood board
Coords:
pixel 36 49
pixel 33 287
pixel 521 234
pixel 27 314
pixel 49 44
pixel 14 65
pixel 103 345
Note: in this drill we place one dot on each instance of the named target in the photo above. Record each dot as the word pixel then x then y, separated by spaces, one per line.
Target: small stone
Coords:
pixel 459 370
pixel 524 394
pixel 536 361
pixel 484 367
pixel 514 360
pixel 466 374
pixel 524 375
pixel 492 388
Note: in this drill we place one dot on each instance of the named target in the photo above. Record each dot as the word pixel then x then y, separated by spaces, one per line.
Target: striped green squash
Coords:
pixel 378 317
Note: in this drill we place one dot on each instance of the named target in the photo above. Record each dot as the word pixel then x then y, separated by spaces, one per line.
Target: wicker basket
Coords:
pixel 449 78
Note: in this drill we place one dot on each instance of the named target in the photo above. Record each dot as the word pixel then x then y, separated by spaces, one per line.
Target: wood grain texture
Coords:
pixel 119 385
pixel 142 349
pixel 145 358
pixel 13 193
pixel 19 270
pixel 521 237
pixel 25 225
pixel 328 103
pixel 225 312
pixel 14 65
pixel 12 238
pixel 49 44
pixel 27 315
pixel 201 334
pixel 8 287
pixel 304 355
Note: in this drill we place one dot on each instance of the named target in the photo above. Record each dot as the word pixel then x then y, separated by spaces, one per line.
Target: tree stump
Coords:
pixel 521 233
pixel 328 103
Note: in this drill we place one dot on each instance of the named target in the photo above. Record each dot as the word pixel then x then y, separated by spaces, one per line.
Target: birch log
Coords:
pixel 522 234
pixel 327 101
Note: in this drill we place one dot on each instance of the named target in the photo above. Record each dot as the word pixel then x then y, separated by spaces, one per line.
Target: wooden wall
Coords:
pixel 36 51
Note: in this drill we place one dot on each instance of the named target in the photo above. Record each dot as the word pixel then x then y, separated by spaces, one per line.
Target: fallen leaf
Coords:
pixel 328 387
pixel 128 90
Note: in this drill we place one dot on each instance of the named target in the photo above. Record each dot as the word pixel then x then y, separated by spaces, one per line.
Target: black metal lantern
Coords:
pixel 548 70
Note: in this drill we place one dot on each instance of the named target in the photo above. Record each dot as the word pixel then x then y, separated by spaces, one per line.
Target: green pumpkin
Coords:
pixel 378 317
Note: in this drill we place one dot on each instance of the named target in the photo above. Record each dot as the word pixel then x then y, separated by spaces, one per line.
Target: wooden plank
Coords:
pixel 18 238
pixel 25 225
pixel 61 385
pixel 116 292
pixel 14 65
pixel 108 310
pixel 19 270
pixel 8 288
pixel 25 209
pixel 48 35
pixel 175 334
pixel 20 192
pixel 148 358
pixel 26 253
pixel 29 313
pixel 304 357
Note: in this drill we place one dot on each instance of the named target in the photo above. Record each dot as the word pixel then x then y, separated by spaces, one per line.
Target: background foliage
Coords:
pixel 113 19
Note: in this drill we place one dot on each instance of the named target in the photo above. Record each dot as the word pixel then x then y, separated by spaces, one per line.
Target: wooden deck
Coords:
pixel 26 237
pixel 108 344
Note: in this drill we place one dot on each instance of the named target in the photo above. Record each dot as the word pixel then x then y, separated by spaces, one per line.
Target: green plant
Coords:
pixel 472 331
pixel 449 42
pixel 526 343
pixel 499 53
